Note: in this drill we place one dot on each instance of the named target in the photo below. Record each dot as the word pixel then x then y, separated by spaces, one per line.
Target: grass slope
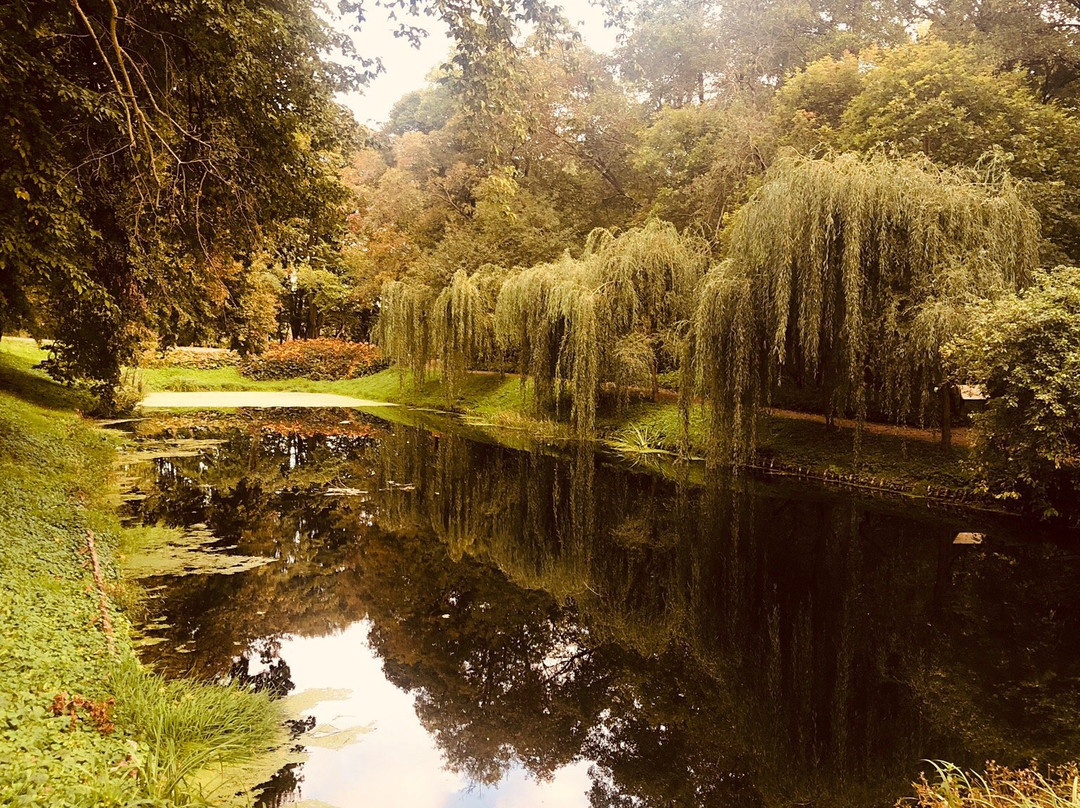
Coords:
pixel 796 446
pixel 54 469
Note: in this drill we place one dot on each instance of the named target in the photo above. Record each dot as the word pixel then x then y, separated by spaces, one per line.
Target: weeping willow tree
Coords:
pixel 523 326
pixel 851 274
pixel 464 328
pixel 405 326
pixel 613 316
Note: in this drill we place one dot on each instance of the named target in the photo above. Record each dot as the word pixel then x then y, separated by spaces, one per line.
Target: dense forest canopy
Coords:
pixel 746 193
pixel 696 119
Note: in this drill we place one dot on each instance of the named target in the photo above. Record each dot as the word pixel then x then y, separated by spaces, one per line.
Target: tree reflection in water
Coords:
pixel 738 643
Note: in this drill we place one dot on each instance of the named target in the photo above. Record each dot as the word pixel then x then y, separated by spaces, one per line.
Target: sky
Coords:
pixel 385 756
pixel 406 67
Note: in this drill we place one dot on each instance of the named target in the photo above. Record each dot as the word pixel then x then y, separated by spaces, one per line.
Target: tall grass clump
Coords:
pixel 183 728
pixel 1000 787
pixel 850 275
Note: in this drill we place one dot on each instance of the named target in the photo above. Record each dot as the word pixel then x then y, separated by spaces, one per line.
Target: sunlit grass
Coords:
pixel 184 727
pixel 643 428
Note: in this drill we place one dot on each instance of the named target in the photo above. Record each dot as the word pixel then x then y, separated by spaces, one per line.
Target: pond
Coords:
pixel 457 623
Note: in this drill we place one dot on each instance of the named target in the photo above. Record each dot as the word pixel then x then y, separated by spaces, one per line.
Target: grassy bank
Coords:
pixel 905 464
pixel 82 723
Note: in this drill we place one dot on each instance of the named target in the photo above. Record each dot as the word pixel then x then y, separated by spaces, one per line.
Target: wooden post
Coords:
pixel 946 416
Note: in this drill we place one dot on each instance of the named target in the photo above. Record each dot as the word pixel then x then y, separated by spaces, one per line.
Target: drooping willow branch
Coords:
pixel 404 332
pixel 851 274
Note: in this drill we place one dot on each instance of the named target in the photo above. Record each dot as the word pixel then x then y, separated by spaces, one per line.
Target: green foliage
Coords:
pixel 463 325
pixel 134 170
pixel 811 104
pixel 951 103
pixel 1024 352
pixel 851 275
pixel 670 52
pixel 1039 36
pixel 954 105
pixel 320 301
pixel 254 307
pixel 321 359
pixel 694 163
pixel 616 315
pixel 52 643
pixel 187 727
pixel 405 326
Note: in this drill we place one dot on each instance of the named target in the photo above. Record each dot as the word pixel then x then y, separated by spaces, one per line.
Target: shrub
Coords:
pixel 324 359
pixel 1024 351
pixel 190 358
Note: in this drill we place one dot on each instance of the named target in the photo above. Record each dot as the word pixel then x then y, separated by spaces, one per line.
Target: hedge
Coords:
pixel 322 359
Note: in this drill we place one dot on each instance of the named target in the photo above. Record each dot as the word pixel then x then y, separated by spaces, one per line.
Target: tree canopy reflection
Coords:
pixel 735 643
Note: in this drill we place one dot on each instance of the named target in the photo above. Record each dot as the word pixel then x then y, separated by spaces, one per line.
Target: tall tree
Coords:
pixel 144 148
pixel 669 53
pixel 851 275
pixel 951 103
pixel 1042 37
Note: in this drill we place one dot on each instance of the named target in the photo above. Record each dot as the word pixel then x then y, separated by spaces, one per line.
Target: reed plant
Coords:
pixel 184 727
pixel 999 787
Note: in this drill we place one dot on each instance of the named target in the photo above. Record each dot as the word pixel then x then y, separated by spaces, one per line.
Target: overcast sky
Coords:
pixel 407 67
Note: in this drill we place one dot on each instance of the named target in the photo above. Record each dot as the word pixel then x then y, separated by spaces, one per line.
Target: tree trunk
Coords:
pixel 946 417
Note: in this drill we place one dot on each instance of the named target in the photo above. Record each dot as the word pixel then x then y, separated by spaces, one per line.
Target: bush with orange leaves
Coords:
pixel 321 359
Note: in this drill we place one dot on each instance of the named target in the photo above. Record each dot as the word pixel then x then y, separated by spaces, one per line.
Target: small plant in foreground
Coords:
pixel 99 713
pixel 1000 787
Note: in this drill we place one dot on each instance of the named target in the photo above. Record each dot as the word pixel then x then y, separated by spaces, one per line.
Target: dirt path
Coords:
pixel 224 400
pixel 959 434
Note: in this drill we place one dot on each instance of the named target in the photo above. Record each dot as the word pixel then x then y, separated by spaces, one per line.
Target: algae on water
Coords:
pixel 172 551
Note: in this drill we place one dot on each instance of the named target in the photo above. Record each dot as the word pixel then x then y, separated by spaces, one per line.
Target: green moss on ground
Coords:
pixel 54 469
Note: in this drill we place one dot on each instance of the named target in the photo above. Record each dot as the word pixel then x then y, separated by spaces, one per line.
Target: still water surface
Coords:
pixel 470 625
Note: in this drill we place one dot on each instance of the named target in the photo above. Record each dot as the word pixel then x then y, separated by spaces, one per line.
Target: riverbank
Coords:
pixel 907 463
pixel 81 721
pixel 52 464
